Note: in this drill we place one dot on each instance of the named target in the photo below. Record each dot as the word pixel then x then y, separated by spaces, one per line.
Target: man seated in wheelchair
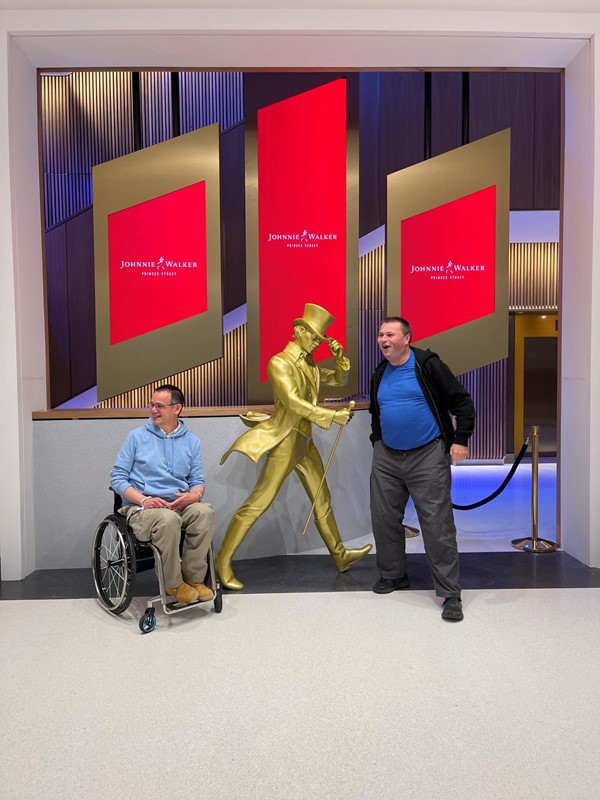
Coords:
pixel 159 475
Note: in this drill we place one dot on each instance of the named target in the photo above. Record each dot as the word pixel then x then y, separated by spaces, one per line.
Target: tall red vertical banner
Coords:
pixel 302 231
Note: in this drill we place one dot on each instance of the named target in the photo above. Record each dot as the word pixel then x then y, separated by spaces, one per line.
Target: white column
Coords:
pixel 580 312
pixel 22 339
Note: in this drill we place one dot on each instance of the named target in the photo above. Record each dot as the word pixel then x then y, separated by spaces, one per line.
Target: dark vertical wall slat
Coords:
pixel 427 117
pixel 466 105
pixel 446 112
pixel 369 153
pixel 59 346
pixel 136 109
pixel 501 100
pixel 175 104
pixel 547 140
pixel 402 111
pixel 82 312
pixel 233 219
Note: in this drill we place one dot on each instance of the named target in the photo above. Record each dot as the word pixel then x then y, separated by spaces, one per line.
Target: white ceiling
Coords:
pixel 308 50
pixel 574 6
pixel 346 34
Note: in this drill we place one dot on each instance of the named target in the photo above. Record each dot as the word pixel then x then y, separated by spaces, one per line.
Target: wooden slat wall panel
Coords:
pixel 487 387
pixel 209 97
pixel 446 112
pixel 499 100
pixel 371 304
pixel 533 276
pixel 547 140
pixel 155 107
pixel 402 113
pixel 86 120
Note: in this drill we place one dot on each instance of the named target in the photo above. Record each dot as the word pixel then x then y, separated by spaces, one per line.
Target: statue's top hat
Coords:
pixel 316 319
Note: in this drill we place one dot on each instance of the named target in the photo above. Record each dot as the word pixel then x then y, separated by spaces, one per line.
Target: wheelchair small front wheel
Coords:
pixel 148 621
pixel 218 601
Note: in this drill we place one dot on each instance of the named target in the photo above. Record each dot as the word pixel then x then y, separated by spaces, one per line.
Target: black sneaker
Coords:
pixel 452 609
pixel 385 585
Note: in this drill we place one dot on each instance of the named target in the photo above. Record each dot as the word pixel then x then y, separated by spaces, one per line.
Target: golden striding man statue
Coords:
pixel 286 439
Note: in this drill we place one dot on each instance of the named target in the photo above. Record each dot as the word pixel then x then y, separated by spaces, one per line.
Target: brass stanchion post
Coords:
pixel 532 544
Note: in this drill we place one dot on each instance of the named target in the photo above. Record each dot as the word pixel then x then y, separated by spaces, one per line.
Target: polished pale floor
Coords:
pixel 294 693
pixel 303 696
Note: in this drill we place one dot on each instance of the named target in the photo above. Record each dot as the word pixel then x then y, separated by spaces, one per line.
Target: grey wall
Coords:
pixel 73 459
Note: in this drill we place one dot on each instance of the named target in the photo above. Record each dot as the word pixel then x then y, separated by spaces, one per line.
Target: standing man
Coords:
pixel 158 473
pixel 286 439
pixel 413 394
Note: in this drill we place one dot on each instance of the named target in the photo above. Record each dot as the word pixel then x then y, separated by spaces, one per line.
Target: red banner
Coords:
pixel 157 262
pixel 301 214
pixel 448 264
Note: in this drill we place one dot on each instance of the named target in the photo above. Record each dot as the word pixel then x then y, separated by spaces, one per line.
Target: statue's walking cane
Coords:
pixel 351 405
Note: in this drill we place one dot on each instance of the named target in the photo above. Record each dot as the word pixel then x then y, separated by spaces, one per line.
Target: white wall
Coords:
pixel 580 312
pixel 74 459
pixel 576 320
pixel 22 337
pixel 222 37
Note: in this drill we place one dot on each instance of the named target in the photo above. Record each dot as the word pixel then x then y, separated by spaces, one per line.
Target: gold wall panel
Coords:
pixel 131 180
pixel 221 382
pixel 441 180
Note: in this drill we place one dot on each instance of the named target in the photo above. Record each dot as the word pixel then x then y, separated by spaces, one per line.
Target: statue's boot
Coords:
pixel 342 558
pixel 234 536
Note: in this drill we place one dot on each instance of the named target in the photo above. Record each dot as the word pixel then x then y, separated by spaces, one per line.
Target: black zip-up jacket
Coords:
pixel 444 393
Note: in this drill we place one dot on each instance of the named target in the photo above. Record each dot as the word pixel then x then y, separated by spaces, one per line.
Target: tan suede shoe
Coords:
pixel 184 594
pixel 204 593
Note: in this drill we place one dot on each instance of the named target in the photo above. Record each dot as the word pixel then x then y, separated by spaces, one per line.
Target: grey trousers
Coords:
pixel 423 474
pixel 163 527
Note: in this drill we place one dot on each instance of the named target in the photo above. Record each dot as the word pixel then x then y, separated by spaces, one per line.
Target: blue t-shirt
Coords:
pixel 406 419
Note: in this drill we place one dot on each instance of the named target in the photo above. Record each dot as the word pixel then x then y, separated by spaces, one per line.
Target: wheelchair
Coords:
pixel 117 558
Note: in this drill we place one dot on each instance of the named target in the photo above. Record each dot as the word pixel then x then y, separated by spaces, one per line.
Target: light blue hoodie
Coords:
pixel 158 465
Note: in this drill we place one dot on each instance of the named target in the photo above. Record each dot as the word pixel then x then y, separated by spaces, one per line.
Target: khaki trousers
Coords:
pixel 163 527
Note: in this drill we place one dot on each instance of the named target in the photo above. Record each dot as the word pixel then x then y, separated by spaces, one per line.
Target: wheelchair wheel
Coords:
pixel 113 563
pixel 218 601
pixel 147 623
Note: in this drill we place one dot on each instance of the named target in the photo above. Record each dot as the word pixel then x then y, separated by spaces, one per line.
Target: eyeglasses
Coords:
pixel 160 406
